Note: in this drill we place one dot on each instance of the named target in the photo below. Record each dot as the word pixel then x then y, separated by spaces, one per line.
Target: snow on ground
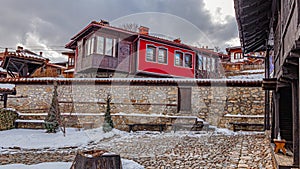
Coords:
pixel 38 139
pixel 126 164
pixel 34 139
pixel 54 165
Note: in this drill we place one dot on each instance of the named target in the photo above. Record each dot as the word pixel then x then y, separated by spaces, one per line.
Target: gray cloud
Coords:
pixel 53 23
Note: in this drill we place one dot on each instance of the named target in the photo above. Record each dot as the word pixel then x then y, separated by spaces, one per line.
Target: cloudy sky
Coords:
pixel 47 25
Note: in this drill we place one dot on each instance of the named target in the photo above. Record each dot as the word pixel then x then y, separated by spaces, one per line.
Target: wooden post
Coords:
pixel 5 100
pixel 277 97
pixel 295 121
pixel 96 159
pixel 267 92
pixel 273 133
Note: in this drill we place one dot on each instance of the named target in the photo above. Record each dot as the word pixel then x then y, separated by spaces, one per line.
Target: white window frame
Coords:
pixel 154 56
pixel 186 53
pixel 158 56
pixel 178 51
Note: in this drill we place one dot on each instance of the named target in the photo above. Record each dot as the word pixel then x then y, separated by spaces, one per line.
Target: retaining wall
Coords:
pixel 210 100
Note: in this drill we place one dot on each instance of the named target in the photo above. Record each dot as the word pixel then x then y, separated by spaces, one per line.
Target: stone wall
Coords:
pixel 209 103
pixel 7 118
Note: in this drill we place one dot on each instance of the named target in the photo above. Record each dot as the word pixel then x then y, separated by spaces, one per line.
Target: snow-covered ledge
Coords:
pixel 243 116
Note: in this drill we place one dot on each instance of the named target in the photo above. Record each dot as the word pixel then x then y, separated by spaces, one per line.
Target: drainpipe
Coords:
pixel 130 58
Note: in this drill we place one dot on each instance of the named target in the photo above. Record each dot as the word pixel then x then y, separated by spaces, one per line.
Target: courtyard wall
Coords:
pixel 217 102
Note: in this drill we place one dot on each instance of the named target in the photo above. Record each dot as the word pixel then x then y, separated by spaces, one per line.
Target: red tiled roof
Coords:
pixel 98 25
pixel 95 25
pixel 26 55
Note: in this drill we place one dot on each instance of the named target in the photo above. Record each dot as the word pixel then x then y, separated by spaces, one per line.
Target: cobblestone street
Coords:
pixel 207 151
pixel 167 150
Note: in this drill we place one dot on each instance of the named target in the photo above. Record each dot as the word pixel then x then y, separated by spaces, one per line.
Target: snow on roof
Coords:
pixel 7 87
pixel 56 65
pixel 25 54
pixel 69 71
pixel 204 82
pixel 254 71
pixel 2 70
pixel 248 77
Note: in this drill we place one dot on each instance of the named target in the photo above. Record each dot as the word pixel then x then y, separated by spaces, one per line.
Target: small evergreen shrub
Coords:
pixel 108 124
pixel 53 118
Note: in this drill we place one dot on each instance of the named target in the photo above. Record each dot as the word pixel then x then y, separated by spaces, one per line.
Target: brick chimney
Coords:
pixel 177 40
pixel 143 30
pixel 104 22
pixel 19 48
pixel 6 51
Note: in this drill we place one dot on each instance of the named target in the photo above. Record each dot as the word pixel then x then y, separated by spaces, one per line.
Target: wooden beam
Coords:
pixel 295 109
pixel 5 100
pixel 294 55
pixel 257 19
pixel 284 82
pixel 290 72
pixel 293 62
pixel 296 45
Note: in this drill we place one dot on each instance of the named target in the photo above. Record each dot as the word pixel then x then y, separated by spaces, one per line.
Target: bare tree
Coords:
pixel 130 27
pixel 217 48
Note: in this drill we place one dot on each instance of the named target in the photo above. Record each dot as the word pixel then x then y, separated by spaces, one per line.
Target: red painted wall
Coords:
pixel 164 69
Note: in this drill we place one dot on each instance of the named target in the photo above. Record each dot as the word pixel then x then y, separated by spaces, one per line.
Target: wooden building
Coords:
pixel 274 25
pixel 102 50
pixel 239 61
pixel 22 61
pixel 50 70
pixel 69 73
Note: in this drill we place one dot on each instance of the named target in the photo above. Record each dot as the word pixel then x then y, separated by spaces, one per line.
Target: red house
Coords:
pixel 106 51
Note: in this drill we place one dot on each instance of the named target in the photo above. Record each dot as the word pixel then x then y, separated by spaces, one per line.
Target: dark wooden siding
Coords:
pixel 285 115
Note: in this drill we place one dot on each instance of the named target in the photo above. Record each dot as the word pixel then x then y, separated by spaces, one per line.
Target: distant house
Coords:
pixel 50 70
pixel 69 72
pixel 238 61
pixel 102 50
pixel 21 62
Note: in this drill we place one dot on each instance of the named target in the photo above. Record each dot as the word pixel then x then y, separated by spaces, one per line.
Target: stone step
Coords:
pixel 29 124
pixel 31 116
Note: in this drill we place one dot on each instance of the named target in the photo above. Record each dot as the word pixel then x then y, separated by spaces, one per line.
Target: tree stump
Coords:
pixel 96 159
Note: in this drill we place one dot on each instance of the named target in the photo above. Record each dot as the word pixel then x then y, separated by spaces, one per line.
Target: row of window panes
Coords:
pixel 206 63
pixel 236 55
pixel 161 55
pixel 184 60
pixel 71 61
pixel 104 46
pixel 153 54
